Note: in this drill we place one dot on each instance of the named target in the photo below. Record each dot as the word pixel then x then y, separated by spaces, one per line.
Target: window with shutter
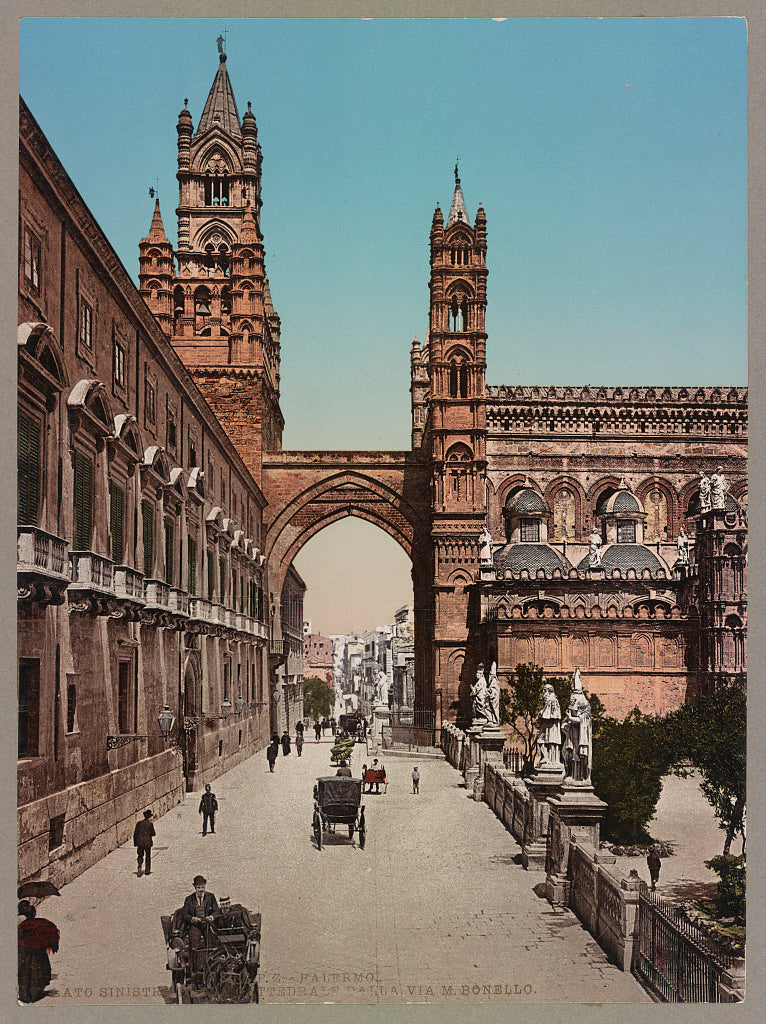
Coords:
pixel 210 576
pixel 147 513
pixel 169 553
pixel 83 501
pixel 192 552
pixel 116 520
pixel 222 590
pixel 28 470
pixel 125 697
pixel 233 589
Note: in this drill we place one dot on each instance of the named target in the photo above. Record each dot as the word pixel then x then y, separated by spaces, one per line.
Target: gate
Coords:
pixel 673 957
pixel 413 729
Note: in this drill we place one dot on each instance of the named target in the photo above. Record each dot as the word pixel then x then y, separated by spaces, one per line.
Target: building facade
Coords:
pixel 318 658
pixel 545 469
pixel 141 578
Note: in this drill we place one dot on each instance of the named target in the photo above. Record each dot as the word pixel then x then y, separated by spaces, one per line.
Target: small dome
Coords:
pixel 526 500
pixel 622 501
pixel 532 557
pixel 624 557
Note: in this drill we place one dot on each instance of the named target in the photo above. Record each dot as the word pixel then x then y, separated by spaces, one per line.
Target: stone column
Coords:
pixel 544 783
pixel 574 811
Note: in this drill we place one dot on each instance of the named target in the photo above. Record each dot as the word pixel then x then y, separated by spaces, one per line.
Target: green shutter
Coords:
pixel 83 501
pixel 29 470
pixel 210 575
pixel 169 553
pixel 192 573
pixel 222 594
pixel 147 513
pixel 116 521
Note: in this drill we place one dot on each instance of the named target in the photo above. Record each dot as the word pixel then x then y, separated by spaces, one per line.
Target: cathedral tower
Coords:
pixel 454 437
pixel 216 307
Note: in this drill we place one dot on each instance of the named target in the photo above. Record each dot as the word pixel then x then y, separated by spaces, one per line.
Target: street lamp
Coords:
pixel 226 708
pixel 166 720
pixel 239 703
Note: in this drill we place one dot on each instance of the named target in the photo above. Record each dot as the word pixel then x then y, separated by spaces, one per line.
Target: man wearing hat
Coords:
pixel 142 840
pixel 199 909
pixel 208 805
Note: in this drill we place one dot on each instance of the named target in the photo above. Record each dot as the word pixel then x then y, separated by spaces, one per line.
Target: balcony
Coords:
pixel 156 594
pixel 178 601
pixel 128 584
pixel 91 572
pixel 42 566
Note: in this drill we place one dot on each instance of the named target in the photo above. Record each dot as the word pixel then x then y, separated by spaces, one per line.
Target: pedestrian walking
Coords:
pixel 317 730
pixel 299 727
pixel 285 743
pixel 143 835
pixel 37 937
pixel 364 777
pixel 415 780
pixel 299 741
pixel 271 754
pixel 208 805
pixel 654 864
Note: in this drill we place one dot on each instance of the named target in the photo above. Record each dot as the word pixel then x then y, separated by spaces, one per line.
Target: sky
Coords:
pixel 610 156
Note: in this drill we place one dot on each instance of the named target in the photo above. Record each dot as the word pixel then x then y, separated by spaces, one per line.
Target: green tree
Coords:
pixel 521 702
pixel 318 698
pixel 630 758
pixel 712 735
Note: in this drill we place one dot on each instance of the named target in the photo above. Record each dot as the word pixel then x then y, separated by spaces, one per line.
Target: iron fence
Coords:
pixel 413 729
pixel 674 957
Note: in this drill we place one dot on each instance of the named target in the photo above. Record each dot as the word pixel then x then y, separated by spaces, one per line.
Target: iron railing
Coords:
pixel 674 957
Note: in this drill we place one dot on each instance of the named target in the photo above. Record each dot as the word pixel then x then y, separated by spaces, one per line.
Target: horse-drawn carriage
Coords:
pixel 338 801
pixel 225 969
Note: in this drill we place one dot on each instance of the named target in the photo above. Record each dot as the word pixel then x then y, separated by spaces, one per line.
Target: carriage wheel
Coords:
pixel 351 830
pixel 254 993
pixel 178 977
pixel 318 831
pixel 362 837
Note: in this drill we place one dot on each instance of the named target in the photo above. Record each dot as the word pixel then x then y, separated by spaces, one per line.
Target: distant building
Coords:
pixel 318 657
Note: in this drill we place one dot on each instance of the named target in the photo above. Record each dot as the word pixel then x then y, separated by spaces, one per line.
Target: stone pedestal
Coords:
pixel 381 723
pixel 472 755
pixel 544 784
pixel 490 742
pixel 574 811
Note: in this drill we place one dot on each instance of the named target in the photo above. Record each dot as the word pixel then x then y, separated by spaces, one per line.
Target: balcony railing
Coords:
pixel 38 550
pixel 178 601
pixel 157 593
pixel 128 583
pixel 91 571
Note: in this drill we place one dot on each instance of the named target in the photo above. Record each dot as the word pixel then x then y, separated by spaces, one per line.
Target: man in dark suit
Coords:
pixel 142 840
pixel 199 909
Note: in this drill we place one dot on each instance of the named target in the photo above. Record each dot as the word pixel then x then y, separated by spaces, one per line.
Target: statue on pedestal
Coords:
pixel 549 722
pixel 479 695
pixel 682 546
pixel 577 726
pixel 704 493
pixel 485 546
pixel 718 489
pixel 493 695
pixel 381 688
pixel 594 549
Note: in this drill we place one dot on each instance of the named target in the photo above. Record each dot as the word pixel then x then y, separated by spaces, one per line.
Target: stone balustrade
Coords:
pixel 39 550
pixel 128 583
pixel 91 571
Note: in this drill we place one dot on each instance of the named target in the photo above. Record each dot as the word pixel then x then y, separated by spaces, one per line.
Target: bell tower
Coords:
pixel 455 439
pixel 220 319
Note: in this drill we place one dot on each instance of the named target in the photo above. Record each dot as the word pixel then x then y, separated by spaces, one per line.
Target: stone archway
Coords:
pixel 309 491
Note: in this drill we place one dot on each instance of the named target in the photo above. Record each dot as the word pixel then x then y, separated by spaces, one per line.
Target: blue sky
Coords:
pixel 610 156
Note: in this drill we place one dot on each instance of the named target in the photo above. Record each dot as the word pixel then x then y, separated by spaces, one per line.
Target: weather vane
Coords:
pixel 457 177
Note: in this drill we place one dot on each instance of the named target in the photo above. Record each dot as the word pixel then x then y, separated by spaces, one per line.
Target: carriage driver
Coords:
pixel 199 910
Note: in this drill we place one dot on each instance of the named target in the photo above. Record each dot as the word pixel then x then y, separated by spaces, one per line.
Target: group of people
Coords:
pixel 272 751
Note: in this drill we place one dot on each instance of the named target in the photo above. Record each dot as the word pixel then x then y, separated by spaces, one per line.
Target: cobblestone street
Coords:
pixel 436 908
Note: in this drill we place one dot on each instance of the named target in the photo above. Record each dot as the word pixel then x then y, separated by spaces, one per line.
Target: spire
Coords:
pixel 458 209
pixel 221 107
pixel 248 234
pixel 157 229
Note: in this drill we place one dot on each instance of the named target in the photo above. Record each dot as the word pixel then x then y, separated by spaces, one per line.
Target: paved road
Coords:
pixel 436 908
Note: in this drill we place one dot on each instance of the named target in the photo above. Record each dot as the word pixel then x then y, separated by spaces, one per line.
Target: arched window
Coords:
pixel 458 316
pixel 458 379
